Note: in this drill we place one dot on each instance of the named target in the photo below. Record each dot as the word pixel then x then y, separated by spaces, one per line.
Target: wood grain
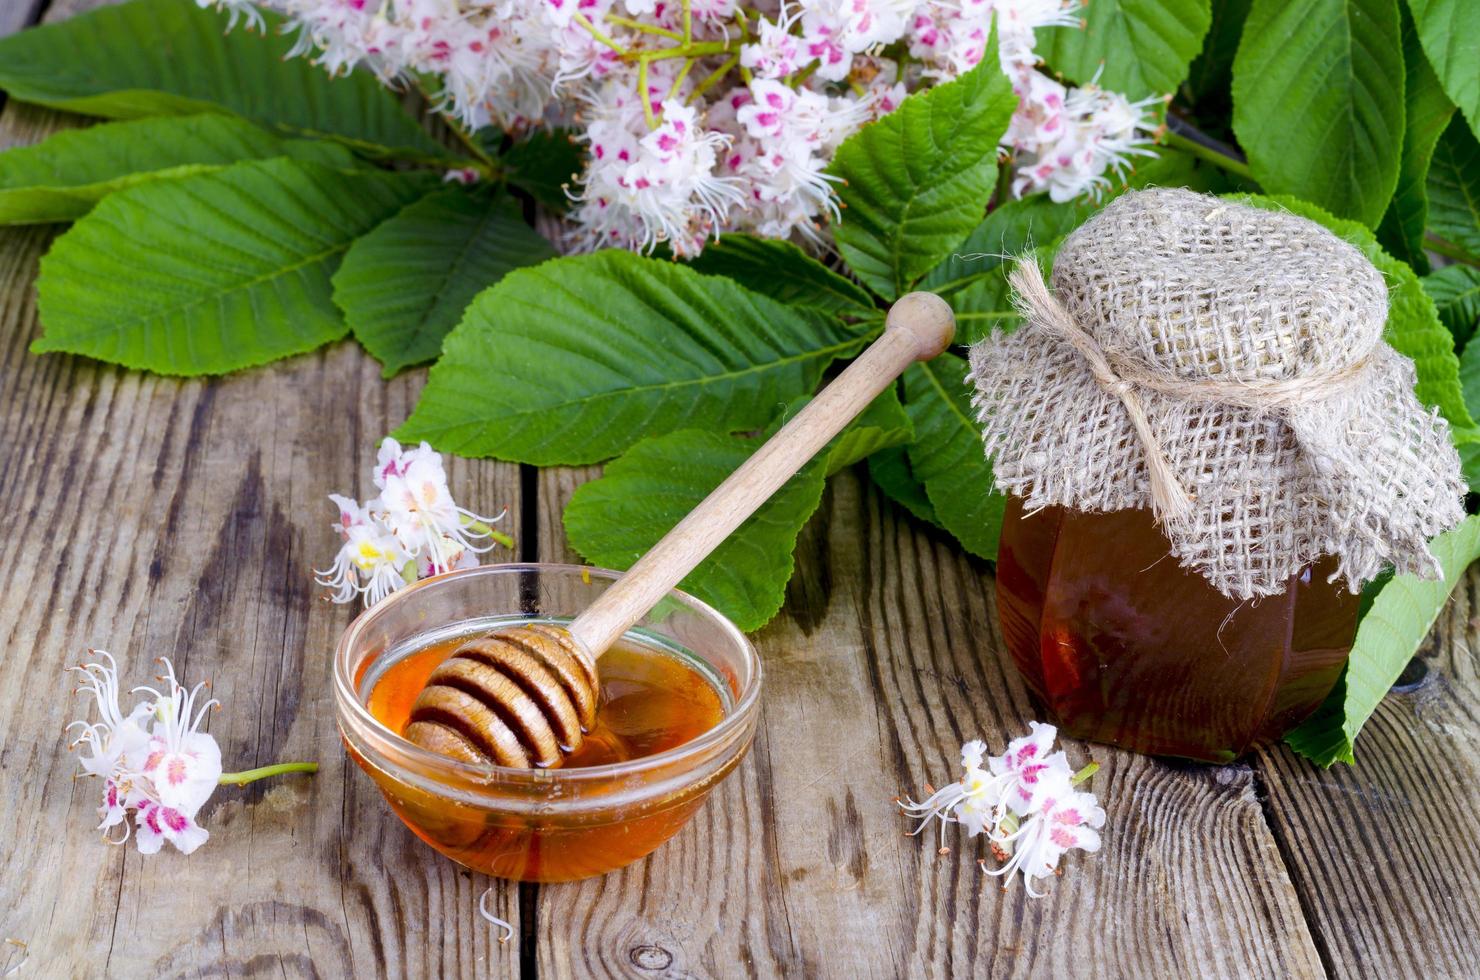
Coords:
pixel 158 517
pixel 1385 854
pixel 180 518
pixel 882 664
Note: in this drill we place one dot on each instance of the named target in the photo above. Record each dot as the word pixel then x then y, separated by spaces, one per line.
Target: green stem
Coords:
pixel 485 163
pixel 714 76
pixel 688 21
pixel 678 79
pixel 745 38
pixel 797 78
pixel 1217 159
pixel 688 51
pixel 1439 246
pixel 642 90
pixel 251 775
pixel 1084 774
pixel 638 25
pixel 596 33
pixel 1004 183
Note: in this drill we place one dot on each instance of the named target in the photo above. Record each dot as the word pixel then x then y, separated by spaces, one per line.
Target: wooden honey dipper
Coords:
pixel 526 696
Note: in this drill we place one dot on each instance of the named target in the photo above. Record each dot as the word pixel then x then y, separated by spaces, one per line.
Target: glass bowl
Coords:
pixel 541 824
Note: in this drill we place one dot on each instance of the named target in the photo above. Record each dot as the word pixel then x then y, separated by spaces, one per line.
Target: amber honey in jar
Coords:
pixel 1208 448
pixel 1123 645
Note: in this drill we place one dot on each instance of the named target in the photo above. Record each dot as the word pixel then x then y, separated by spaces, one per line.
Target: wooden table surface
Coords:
pixel 158 517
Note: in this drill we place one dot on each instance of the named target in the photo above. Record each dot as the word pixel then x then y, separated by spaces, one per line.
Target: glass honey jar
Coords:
pixel 1125 646
pixel 1208 448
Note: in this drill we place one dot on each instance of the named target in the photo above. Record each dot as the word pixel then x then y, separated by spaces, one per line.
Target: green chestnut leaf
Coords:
pixel 915 182
pixel 1318 102
pixel 405 285
pixel 574 360
pixel 617 518
pixel 212 273
pixel 166 57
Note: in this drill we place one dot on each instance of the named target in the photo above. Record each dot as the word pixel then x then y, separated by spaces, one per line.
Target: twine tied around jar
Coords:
pixel 1223 365
pixel 1121 376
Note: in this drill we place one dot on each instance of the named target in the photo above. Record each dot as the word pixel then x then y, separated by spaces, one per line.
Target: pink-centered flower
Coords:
pixel 372 562
pixel 183 762
pixel 1027 770
pixel 1064 821
pixel 1068 140
pixel 670 162
pixel 114 747
pixel 776 51
pixel 654 183
pixel 1024 801
pixel 412 529
pixel 158 823
pixel 163 776
pixel 833 31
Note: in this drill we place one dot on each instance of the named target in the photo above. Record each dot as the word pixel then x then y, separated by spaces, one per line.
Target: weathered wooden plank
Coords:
pixel 1385 853
pixel 181 519
pixel 158 517
pixel 883 663
pixel 15 14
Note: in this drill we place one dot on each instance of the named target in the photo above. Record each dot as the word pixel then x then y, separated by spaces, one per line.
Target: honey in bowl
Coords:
pixel 653 699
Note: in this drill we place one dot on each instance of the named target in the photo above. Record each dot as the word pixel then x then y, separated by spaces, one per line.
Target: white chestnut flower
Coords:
pixel 114 747
pixel 412 529
pixel 163 775
pixel 1065 820
pixel 1024 801
pixel 184 763
pixel 416 506
pixel 652 88
pixel 371 562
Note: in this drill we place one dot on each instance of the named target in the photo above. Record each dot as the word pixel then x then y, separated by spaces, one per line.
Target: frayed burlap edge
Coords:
pixel 1366 475
pixel 1257 518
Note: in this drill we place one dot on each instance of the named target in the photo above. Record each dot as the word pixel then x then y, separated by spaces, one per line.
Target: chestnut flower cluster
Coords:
pixel 705 116
pixel 411 529
pixel 155 762
pixel 1024 801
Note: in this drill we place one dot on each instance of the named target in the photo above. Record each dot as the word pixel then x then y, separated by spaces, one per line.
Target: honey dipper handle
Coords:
pixel 919 326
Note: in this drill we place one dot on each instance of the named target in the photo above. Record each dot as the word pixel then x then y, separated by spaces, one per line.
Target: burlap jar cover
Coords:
pixel 1223 366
